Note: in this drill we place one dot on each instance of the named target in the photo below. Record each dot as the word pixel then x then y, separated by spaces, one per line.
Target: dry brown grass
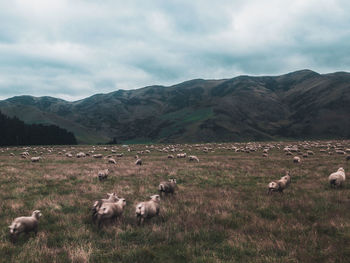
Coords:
pixel 220 213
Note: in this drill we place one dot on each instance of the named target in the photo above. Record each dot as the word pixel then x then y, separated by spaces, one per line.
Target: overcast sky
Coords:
pixel 72 49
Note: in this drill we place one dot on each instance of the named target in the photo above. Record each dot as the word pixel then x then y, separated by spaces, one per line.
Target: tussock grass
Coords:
pixel 220 212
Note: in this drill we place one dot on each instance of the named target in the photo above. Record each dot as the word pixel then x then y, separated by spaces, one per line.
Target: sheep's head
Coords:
pixel 123 202
pixel 273 186
pixel 172 180
pixel 37 214
pixel 341 169
pixel 155 198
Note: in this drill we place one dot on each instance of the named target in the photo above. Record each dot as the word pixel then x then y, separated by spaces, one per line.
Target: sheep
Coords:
pixel 167 187
pixel 25 224
pixel 112 197
pixel 110 210
pixel 35 159
pixel 111 160
pixel 147 209
pixel 170 156
pixel 97 156
pixel 193 158
pixel 138 161
pixel 296 159
pixel 280 185
pixel 103 174
pixel 69 155
pixel 337 179
pixel 80 155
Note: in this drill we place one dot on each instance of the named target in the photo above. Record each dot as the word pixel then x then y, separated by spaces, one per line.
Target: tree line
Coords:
pixel 15 132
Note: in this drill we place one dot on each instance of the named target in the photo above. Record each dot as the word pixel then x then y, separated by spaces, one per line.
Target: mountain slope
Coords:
pixel 300 105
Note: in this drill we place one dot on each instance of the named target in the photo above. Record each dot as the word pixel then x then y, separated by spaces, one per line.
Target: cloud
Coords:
pixel 74 49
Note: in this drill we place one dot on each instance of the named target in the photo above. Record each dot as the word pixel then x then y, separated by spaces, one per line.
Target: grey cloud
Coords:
pixel 73 49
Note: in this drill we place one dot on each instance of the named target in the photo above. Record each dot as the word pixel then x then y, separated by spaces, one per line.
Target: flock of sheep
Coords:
pixel 111 209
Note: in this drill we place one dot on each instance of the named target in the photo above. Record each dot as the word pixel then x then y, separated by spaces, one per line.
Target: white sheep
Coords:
pixel 97 156
pixel 112 161
pixel 280 185
pixel 296 159
pixel 110 210
pixel 167 187
pixel 148 209
pixel 35 159
pixel 103 174
pixel 138 161
pixel 80 155
pixel 25 224
pixel 193 158
pixel 337 179
pixel 112 197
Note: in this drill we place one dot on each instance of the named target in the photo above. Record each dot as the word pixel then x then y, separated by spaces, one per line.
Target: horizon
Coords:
pixel 174 84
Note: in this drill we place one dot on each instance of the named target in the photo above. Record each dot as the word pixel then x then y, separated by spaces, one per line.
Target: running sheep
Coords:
pixel 25 224
pixel 110 211
pixel 112 197
pixel 280 185
pixel 147 209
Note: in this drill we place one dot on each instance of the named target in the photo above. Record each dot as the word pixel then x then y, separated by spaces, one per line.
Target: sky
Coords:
pixel 72 49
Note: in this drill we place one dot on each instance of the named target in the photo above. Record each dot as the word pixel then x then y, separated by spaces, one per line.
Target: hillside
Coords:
pixel 298 105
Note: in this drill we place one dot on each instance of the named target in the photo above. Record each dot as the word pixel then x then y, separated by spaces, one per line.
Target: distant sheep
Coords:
pixel 167 187
pixel 103 174
pixel 170 156
pixel 181 155
pixel 338 178
pixel 35 159
pixel 138 162
pixel 25 224
pixel 148 209
pixel 80 155
pixel 193 158
pixel 112 161
pixel 296 159
pixel 97 156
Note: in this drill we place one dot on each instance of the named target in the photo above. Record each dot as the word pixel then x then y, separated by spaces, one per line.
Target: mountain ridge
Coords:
pixel 298 105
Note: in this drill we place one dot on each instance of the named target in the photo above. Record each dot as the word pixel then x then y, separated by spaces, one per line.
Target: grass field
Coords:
pixel 220 213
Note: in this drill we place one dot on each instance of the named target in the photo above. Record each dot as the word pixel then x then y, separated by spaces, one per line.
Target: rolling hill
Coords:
pixel 298 105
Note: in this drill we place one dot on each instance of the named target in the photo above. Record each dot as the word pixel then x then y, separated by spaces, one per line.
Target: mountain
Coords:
pixel 298 105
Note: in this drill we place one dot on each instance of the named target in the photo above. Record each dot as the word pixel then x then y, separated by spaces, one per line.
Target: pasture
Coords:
pixel 220 213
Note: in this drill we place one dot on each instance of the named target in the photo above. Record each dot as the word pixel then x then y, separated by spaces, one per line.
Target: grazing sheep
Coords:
pixel 193 158
pixel 120 154
pixel 148 209
pixel 97 156
pixel 337 179
pixel 138 162
pixel 296 159
pixel 181 155
pixel 111 160
pixel 35 159
pixel 110 210
pixel 167 187
pixel 80 155
pixel 25 224
pixel 103 174
pixel 170 156
pixel 69 155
